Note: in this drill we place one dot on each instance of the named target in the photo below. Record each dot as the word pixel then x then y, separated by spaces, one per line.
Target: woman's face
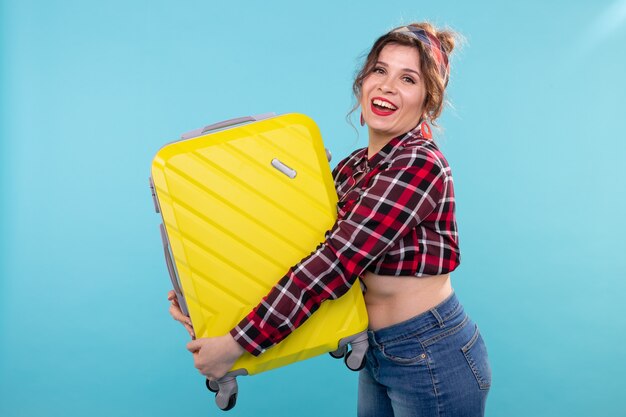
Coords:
pixel 392 95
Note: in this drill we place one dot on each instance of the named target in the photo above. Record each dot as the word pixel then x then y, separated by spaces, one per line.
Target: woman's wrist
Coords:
pixel 236 347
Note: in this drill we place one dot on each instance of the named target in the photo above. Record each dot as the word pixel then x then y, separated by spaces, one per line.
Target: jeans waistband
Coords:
pixel 436 316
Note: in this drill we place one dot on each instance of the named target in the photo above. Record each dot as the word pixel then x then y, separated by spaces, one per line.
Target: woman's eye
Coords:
pixel 408 80
pixel 378 70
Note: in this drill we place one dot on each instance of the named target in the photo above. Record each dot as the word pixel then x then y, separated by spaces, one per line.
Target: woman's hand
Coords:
pixel 178 315
pixel 214 356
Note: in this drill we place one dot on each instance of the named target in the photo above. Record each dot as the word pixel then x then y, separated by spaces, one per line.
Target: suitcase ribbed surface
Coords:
pixel 236 224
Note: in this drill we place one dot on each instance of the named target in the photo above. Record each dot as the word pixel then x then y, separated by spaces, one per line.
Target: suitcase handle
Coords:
pixel 172 271
pixel 226 123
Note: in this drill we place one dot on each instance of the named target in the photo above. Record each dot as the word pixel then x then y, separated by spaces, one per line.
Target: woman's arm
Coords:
pixel 395 200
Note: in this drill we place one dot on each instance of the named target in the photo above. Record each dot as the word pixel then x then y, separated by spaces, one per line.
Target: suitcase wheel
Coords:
pixel 339 353
pixel 354 362
pixel 212 386
pixel 225 392
pixel 232 400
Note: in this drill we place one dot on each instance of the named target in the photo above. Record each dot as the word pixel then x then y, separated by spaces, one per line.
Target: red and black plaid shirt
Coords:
pixel 397 219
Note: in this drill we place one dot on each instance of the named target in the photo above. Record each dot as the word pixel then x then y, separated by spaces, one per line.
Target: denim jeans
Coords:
pixel 434 364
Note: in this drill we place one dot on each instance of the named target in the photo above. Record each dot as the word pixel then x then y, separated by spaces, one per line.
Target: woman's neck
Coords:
pixel 376 142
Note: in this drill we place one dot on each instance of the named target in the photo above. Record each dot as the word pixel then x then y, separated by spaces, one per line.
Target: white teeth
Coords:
pixel 384 104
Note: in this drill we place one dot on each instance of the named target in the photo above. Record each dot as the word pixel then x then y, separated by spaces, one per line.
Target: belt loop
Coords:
pixel 372 338
pixel 437 316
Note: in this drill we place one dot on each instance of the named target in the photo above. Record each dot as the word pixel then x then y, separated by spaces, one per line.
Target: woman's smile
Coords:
pixel 382 106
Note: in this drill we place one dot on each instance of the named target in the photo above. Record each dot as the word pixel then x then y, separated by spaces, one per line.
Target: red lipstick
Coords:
pixel 382 111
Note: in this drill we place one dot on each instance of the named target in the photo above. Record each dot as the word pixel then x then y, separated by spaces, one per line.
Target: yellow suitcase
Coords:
pixel 242 201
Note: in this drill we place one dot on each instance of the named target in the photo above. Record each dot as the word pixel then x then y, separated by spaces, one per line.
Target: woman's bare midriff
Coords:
pixel 391 300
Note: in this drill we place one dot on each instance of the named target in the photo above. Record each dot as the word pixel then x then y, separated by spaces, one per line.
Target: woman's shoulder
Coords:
pixel 420 152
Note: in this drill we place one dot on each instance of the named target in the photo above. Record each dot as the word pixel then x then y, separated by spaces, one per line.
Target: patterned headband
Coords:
pixel 432 44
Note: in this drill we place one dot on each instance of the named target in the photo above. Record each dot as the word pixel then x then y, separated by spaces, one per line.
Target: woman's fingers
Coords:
pixel 178 315
pixel 174 300
pixel 190 330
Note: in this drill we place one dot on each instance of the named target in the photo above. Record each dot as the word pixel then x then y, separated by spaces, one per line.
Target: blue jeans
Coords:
pixel 434 364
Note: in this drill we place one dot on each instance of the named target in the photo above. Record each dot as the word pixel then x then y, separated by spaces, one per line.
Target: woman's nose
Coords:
pixel 387 86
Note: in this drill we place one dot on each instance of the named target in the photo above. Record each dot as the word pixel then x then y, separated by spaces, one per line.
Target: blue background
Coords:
pixel 90 90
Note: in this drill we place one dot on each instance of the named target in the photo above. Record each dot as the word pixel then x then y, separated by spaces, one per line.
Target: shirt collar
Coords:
pixel 421 131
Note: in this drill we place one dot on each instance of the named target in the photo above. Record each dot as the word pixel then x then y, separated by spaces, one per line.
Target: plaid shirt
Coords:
pixel 396 219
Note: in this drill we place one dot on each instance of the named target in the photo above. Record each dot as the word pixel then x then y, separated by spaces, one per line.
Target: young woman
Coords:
pixel 396 232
